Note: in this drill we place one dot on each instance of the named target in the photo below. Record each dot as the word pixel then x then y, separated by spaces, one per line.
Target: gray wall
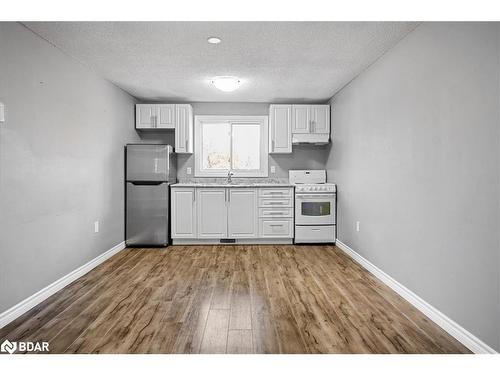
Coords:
pixel 303 156
pixel 416 160
pixel 61 163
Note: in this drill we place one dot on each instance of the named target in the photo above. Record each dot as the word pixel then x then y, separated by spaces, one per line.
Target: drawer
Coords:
pixel 269 228
pixel 314 233
pixel 275 192
pixel 276 212
pixel 276 202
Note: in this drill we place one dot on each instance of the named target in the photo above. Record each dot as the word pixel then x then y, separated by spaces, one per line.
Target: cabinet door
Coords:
pixel 280 129
pixel 145 116
pixel 212 213
pixel 301 118
pixel 183 213
pixel 242 213
pixel 165 116
pixel 320 119
pixel 184 129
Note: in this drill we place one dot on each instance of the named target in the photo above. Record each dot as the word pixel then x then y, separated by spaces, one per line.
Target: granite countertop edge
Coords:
pixel 239 185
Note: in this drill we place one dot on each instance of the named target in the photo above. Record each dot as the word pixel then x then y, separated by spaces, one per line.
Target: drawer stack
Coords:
pixel 276 212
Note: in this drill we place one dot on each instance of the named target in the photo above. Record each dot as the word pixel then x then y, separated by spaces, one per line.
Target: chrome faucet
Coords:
pixel 229 175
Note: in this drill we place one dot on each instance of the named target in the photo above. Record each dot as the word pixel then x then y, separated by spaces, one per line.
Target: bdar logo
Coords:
pixel 24 346
pixel 9 347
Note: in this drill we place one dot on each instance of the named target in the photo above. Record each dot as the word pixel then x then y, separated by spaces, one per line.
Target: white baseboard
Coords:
pixel 16 311
pixel 450 326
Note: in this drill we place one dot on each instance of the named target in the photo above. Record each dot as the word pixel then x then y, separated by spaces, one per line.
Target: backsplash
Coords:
pixel 303 157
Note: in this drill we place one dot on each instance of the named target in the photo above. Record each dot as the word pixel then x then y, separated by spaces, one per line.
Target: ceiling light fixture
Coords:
pixel 214 40
pixel 226 83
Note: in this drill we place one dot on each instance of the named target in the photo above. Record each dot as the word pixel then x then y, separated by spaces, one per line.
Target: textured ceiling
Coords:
pixel 277 61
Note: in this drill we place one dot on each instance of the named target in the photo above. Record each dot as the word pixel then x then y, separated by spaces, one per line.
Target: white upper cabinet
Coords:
pixel 183 213
pixel 168 116
pixel 145 116
pixel 212 212
pixel 301 118
pixel 242 213
pixel 310 119
pixel 165 116
pixel 184 129
pixel 320 119
pixel 297 123
pixel 280 129
pixel 155 116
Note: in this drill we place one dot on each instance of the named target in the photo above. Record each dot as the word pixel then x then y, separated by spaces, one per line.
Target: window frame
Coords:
pixel 264 146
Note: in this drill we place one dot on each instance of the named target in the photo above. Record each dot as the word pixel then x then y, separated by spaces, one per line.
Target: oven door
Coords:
pixel 314 209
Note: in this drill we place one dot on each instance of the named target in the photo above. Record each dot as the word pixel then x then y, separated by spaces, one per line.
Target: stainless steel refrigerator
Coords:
pixel 149 170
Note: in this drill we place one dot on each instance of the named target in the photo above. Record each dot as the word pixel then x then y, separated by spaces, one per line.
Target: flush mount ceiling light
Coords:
pixel 226 83
pixel 214 40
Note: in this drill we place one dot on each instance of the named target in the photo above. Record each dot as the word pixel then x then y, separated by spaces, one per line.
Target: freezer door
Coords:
pixel 148 162
pixel 146 215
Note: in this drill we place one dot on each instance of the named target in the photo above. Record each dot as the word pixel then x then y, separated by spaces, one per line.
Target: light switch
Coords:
pixel 273 169
pixel 188 170
pixel 2 112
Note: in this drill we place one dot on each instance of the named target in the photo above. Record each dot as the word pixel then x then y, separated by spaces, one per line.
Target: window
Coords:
pixel 231 143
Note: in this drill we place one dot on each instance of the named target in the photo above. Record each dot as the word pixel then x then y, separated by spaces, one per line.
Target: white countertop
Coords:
pixel 237 183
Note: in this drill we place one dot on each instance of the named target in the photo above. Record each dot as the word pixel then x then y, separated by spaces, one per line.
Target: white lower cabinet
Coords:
pixel 242 213
pixel 212 213
pixel 276 228
pixel 276 213
pixel 183 213
pixel 232 213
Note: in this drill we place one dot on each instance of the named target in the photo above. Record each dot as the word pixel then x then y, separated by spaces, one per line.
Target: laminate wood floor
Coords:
pixel 230 299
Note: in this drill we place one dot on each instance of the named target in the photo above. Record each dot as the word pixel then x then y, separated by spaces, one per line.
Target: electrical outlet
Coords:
pixel 188 170
pixel 273 169
pixel 357 226
pixel 2 112
pixel 96 226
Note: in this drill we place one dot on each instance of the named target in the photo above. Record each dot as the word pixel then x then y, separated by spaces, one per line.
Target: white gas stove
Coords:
pixel 315 206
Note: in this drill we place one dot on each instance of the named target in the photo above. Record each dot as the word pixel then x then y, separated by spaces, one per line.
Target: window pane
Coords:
pixel 216 146
pixel 246 146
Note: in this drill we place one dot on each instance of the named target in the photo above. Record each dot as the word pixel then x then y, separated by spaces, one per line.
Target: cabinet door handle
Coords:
pixel 186 145
pixel 272 145
pixel 275 225
pixel 194 195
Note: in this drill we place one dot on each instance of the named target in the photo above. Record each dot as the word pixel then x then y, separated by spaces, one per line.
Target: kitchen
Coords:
pixel 244 207
pixel 249 187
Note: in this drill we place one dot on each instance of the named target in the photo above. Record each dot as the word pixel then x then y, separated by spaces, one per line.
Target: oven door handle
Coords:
pixel 330 196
